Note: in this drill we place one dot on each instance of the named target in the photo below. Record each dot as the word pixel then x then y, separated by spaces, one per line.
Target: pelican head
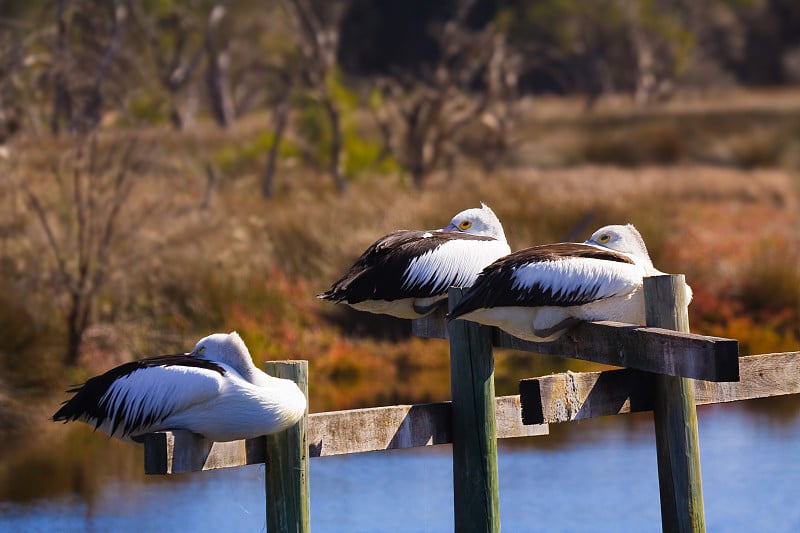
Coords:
pixel 477 221
pixel 228 348
pixel 624 239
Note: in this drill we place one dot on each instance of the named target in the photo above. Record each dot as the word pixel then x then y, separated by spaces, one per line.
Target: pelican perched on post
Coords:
pixel 215 391
pixel 406 273
pixel 537 293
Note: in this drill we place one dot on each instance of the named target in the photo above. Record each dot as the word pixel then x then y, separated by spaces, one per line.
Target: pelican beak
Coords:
pixel 450 228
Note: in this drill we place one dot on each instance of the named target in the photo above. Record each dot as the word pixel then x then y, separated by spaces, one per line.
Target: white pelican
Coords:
pixel 406 273
pixel 215 391
pixel 537 293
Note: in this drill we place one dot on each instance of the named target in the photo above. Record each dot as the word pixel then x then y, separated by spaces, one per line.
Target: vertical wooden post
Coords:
pixel 675 416
pixel 476 494
pixel 287 462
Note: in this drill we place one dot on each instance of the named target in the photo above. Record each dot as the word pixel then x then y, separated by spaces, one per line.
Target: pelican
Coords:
pixel 406 273
pixel 215 391
pixel 538 293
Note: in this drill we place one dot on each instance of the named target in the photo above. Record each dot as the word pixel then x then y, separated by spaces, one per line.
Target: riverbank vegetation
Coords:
pixel 146 202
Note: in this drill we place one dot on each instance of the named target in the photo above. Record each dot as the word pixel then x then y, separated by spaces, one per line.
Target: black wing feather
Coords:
pixel 87 401
pixel 490 287
pixel 378 273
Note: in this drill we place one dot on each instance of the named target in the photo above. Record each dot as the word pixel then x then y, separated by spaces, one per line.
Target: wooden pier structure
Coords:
pixel 665 369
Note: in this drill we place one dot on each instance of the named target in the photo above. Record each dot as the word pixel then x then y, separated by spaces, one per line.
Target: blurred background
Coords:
pixel 170 169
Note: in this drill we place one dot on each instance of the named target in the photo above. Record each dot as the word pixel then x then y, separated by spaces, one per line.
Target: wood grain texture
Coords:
pixel 572 396
pixel 177 452
pixel 675 416
pixel 652 349
pixel 433 326
pixel 286 477
pixel 476 486
pixel 332 433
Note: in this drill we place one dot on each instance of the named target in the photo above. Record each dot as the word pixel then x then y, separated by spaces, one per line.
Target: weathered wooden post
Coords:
pixel 675 416
pixel 287 462
pixel 476 495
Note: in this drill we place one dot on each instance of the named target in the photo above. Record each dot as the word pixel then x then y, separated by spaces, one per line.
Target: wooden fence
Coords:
pixel 666 370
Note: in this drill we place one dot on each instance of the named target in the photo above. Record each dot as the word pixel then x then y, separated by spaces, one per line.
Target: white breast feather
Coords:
pixel 579 274
pixel 244 410
pixel 455 262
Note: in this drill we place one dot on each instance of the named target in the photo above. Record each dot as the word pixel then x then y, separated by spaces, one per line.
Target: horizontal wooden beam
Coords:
pixel 574 396
pixel 331 433
pixel 656 350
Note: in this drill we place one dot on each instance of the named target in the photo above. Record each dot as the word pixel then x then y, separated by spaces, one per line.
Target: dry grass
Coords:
pixel 184 269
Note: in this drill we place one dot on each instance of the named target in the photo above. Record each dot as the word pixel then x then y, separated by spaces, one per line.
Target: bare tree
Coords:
pixel 182 40
pixel 177 57
pixel 317 38
pixel 62 99
pixel 471 86
pixel 13 48
pixel 653 46
pixel 217 61
pixel 98 184
pixel 79 74
pixel 281 116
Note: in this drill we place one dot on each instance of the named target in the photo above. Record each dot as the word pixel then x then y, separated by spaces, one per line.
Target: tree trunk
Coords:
pixel 212 178
pixel 336 144
pixel 281 119
pixel 62 100
pixel 175 117
pixel 215 69
pixel 216 90
pixel 77 320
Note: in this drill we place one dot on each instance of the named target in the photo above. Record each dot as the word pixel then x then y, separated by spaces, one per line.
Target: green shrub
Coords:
pixel 250 156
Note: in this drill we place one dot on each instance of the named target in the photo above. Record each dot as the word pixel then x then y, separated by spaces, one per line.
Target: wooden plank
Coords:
pixel 674 416
pixel 177 452
pixel 433 326
pixel 762 376
pixel 652 349
pixel 476 487
pixel 379 428
pixel 572 396
pixel 333 433
pixel 286 477
pixel 656 350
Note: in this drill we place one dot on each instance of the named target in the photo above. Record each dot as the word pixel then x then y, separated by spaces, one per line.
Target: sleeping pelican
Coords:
pixel 406 273
pixel 537 293
pixel 214 391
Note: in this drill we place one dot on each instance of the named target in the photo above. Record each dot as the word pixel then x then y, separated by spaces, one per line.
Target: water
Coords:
pixel 596 475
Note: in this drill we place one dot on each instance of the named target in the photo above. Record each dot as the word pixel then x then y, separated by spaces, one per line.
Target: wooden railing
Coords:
pixel 332 433
pixel 658 364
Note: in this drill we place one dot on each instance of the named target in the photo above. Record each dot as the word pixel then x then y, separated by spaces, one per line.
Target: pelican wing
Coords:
pixel 561 275
pixel 135 397
pixel 408 264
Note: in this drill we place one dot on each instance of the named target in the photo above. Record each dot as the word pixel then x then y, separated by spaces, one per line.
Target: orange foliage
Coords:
pixel 758 331
pixel 279 320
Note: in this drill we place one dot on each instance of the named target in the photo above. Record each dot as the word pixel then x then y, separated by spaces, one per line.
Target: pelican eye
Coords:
pixel 201 350
pixel 465 224
pixel 604 238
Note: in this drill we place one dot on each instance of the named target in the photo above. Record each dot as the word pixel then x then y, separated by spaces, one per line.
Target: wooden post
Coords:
pixel 287 462
pixel 675 417
pixel 476 493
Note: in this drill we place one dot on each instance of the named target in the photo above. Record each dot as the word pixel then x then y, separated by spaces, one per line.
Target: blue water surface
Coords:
pixel 597 476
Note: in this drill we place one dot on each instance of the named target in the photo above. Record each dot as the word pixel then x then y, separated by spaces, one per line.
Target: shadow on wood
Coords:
pixel 194 452
pixel 572 396
pixel 332 433
pixel 657 350
pixel 586 395
pixel 422 428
